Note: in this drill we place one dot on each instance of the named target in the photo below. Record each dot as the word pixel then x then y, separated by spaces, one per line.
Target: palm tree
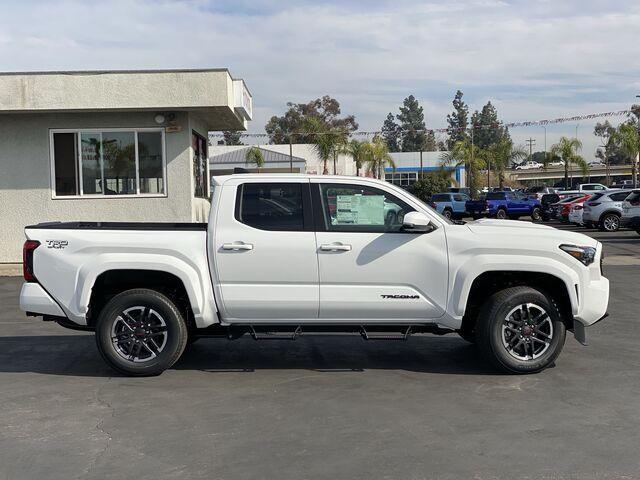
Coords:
pixel 567 149
pixel 254 155
pixel 327 143
pixel 357 151
pixel 463 153
pixel 501 155
pixel 629 139
pixel 376 156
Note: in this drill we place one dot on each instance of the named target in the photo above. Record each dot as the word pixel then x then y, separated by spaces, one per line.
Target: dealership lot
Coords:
pixel 324 407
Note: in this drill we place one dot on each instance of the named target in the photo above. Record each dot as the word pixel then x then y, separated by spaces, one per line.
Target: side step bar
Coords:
pixel 402 336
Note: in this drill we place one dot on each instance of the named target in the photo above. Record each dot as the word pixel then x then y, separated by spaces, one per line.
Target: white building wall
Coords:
pixel 26 187
pixel 344 163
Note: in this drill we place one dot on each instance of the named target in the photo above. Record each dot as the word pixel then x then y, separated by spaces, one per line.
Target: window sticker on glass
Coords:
pixel 359 210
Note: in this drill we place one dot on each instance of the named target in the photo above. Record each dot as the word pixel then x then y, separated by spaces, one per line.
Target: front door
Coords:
pixel 369 268
pixel 265 253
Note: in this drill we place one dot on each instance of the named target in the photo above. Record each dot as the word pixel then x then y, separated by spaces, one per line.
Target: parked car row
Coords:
pixel 608 210
pixel 501 204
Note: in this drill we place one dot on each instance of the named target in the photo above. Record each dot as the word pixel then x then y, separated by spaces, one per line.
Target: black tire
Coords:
pixel 447 213
pixel 610 222
pixel 501 214
pixel 491 337
pixel 152 301
pixel 469 336
pixel 536 214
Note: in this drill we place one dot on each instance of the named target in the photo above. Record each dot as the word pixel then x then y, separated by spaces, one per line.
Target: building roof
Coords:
pixel 223 102
pixel 239 157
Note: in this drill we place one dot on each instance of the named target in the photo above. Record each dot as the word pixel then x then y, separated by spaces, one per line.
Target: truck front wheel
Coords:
pixel 520 330
pixel 141 333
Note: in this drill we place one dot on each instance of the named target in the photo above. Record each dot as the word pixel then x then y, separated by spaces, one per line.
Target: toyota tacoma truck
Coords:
pixel 290 255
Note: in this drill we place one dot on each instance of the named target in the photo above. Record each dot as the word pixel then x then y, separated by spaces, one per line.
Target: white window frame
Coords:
pixel 100 131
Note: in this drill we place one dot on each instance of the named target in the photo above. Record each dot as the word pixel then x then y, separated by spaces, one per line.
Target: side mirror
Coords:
pixel 416 222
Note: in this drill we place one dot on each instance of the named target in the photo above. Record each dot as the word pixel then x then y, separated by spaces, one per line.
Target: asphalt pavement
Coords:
pixel 325 407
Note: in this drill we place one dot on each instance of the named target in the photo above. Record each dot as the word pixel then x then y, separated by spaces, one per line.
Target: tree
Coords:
pixel 501 155
pixel 457 121
pixel 377 157
pixel 254 156
pixel 567 149
pixel 357 151
pixel 610 150
pixel 232 138
pixel 326 110
pixel 488 130
pixel 629 138
pixel 412 127
pixel 328 142
pixel 391 133
pixel 464 153
pixel 430 184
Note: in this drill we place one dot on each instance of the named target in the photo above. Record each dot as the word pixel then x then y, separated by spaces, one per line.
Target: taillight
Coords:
pixel 433 205
pixel 577 207
pixel 27 260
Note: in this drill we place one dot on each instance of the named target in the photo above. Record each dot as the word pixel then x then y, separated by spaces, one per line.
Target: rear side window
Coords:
pixel 271 206
pixel 618 197
pixel 595 196
pixel 495 196
pixel 440 197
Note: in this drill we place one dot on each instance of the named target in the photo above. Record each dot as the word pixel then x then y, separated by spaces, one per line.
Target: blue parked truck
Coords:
pixel 505 205
pixel 450 204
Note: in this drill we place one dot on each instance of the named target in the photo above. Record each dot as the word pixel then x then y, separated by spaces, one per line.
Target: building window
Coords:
pixel 200 167
pixel 108 162
pixel 402 179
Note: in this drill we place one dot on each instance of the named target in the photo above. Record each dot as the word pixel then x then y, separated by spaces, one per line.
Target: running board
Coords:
pixel 401 336
pixel 270 335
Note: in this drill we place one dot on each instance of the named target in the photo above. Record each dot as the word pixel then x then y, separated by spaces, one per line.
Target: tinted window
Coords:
pixel 595 196
pixel 495 196
pixel 536 189
pixel 440 197
pixel 271 206
pixel 634 199
pixel 359 208
pixel 618 197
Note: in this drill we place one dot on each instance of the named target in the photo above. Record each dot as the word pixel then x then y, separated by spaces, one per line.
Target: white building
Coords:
pixel 110 146
pixel 410 164
pixel 306 159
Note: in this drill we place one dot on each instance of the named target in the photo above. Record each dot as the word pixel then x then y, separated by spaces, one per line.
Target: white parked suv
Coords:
pixel 604 209
pixel 285 255
pixel 631 211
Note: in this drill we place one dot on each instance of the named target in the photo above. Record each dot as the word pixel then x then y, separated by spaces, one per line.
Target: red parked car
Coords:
pixel 563 212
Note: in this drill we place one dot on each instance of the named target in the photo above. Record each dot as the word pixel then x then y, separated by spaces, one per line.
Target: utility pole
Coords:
pixel 545 143
pixel 531 142
pixel 290 154
pixel 421 175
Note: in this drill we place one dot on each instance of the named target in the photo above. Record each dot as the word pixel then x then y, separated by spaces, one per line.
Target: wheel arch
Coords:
pixel 607 212
pixel 561 290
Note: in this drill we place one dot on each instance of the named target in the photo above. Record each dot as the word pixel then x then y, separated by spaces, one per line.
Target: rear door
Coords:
pixel 265 252
pixel 369 268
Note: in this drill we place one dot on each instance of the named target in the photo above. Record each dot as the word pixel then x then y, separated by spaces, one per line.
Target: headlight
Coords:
pixel 586 255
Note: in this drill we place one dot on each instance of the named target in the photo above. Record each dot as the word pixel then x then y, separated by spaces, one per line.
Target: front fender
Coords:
pixel 466 273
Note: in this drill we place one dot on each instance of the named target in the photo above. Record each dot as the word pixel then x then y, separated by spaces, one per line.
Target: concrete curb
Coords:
pixel 10 269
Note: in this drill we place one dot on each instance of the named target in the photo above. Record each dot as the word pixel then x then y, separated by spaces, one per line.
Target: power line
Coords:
pixel 531 123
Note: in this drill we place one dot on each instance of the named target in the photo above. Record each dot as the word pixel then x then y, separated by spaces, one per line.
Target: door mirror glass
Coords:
pixel 416 222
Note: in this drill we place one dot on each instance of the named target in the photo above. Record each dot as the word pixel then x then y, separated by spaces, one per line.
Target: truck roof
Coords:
pixel 220 179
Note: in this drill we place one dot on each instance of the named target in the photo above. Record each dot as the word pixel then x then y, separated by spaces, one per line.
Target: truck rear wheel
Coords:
pixel 520 330
pixel 141 333
pixel 501 214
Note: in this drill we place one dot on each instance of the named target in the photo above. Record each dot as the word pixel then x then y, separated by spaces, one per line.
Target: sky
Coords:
pixel 532 59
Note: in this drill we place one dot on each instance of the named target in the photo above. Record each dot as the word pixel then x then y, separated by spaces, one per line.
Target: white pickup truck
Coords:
pixel 285 255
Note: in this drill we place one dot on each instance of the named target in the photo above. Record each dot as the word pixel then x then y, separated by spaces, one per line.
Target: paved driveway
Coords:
pixel 337 408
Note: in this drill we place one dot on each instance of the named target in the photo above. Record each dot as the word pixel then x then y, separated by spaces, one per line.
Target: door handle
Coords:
pixel 237 246
pixel 335 247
